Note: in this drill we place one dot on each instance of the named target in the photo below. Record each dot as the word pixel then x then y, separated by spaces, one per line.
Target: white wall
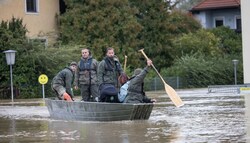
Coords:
pixel 245 4
pixel 201 17
pixel 229 17
pixel 207 18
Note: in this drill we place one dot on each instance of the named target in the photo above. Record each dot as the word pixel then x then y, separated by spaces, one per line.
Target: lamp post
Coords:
pixel 10 59
pixel 235 62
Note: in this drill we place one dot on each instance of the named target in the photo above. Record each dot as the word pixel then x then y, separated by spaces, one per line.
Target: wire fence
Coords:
pixel 150 84
pixel 156 83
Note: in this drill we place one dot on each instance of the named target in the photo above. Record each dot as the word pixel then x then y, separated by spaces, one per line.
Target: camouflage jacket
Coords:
pixel 86 72
pixel 136 92
pixel 64 78
pixel 109 71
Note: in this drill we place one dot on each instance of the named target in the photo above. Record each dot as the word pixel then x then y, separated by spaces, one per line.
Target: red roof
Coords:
pixel 216 4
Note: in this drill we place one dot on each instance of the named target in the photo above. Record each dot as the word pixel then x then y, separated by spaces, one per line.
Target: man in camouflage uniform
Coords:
pixel 135 89
pixel 86 76
pixel 109 70
pixel 62 82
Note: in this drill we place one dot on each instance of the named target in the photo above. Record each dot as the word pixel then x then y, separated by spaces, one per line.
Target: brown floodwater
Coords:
pixel 217 117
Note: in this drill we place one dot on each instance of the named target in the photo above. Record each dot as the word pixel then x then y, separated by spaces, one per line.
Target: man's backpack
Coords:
pixel 108 93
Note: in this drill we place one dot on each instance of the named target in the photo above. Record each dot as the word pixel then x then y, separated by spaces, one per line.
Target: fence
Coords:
pixel 5 92
pixel 177 83
pixel 150 84
pixel 156 83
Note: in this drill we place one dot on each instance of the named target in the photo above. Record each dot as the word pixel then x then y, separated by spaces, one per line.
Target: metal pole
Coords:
pixel 43 91
pixel 11 84
pixel 155 83
pixel 177 82
pixel 235 62
pixel 235 74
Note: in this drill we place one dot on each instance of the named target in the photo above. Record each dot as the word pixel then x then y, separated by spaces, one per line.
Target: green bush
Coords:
pixel 205 57
pixel 32 59
pixel 201 71
pixel 230 41
pixel 202 41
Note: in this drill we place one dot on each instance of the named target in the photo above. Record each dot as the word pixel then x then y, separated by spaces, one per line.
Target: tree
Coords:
pixel 153 15
pixel 180 23
pixel 160 27
pixel 192 43
pixel 99 24
pixel 230 41
pixel 186 5
pixel 127 26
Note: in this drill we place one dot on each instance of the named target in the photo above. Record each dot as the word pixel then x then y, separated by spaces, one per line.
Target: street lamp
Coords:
pixel 10 59
pixel 235 62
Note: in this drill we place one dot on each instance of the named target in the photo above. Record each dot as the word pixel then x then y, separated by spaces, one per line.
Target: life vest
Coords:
pixel 85 65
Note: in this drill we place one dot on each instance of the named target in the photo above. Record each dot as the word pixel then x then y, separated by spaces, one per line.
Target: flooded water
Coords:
pixel 220 117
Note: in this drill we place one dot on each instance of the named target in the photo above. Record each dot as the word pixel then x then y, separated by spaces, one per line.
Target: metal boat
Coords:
pixel 97 111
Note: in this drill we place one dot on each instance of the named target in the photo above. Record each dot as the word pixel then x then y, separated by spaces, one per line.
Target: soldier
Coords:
pixel 62 82
pixel 86 76
pixel 109 70
pixel 135 91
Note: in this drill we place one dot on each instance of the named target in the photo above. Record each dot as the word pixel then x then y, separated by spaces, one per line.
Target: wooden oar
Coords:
pixel 125 63
pixel 169 90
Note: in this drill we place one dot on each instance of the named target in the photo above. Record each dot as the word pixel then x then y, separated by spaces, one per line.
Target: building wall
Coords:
pixel 201 17
pixel 228 15
pixel 245 4
pixel 209 23
pixel 207 18
pixel 40 23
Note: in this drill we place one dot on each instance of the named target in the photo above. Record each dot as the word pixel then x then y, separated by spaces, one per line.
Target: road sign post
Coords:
pixel 43 79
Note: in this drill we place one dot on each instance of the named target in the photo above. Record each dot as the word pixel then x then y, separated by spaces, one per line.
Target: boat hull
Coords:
pixel 97 111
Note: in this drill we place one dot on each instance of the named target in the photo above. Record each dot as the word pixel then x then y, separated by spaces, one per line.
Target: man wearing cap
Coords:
pixel 62 82
pixel 135 89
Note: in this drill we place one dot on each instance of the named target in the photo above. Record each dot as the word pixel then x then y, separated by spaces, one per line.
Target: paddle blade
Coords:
pixel 173 96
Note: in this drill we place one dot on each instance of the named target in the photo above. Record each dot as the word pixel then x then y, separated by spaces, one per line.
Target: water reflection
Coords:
pixel 124 132
pixel 61 131
pixel 204 118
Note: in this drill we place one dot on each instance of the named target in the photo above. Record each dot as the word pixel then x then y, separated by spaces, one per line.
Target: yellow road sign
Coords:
pixel 43 79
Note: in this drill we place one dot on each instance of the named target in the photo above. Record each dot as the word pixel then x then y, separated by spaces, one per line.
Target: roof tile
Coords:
pixel 215 4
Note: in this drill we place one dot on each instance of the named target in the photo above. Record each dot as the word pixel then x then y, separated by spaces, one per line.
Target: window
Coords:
pixel 32 6
pixel 238 23
pixel 219 21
